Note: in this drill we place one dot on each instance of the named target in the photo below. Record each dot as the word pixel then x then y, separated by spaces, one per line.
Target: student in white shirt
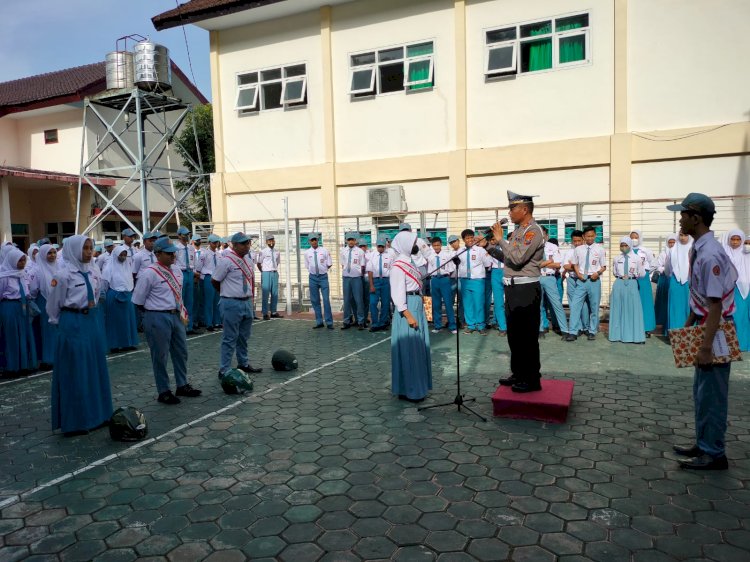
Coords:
pixel 206 266
pixel 197 320
pixel 143 258
pixel 268 263
pixel 185 260
pixel 498 292
pixel 120 321
pixel 576 239
pixel 362 244
pixel 589 264
pixel 661 302
pixel 625 313
pixel 454 245
pixel 648 261
pixel 352 259
pixel 105 256
pixel 441 265
pixel 472 272
pixel 318 262
pixel 379 288
pixel 551 299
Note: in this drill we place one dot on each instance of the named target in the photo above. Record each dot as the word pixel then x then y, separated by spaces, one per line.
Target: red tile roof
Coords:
pixel 30 173
pixel 199 10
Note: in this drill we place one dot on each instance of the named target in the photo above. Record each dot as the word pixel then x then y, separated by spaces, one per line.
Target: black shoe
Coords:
pixel 542 335
pixel 75 433
pixel 502 333
pixel 187 390
pixel 266 317
pixel 558 331
pixel 330 327
pixel 482 332
pixel 526 387
pixel 571 337
pixel 256 317
pixel 346 326
pixel 191 333
pixel 468 331
pixel 210 329
pixel 705 462
pixel 648 334
pixel 249 369
pixel 361 327
pixel 168 398
pixel 591 337
pixel 377 328
pixel 318 326
pixel 276 315
pixel 693 451
pixel 510 381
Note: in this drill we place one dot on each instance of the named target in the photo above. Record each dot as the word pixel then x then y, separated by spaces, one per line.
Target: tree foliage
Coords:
pixel 196 203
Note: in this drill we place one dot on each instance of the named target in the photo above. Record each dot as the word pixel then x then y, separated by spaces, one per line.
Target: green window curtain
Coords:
pixel 539 54
pixel 419 70
pixel 540 29
pixel 572 49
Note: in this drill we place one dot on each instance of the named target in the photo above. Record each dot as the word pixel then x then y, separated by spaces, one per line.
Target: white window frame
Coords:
pixel 258 105
pixel 288 81
pixel 555 37
pixel 373 70
pixel 409 60
pixel 252 106
pixel 405 60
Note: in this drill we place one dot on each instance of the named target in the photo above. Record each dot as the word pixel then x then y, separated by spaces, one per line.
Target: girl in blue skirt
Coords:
pixel 625 310
pixel 41 285
pixel 411 363
pixel 81 394
pixel 678 269
pixel 17 310
pixel 661 303
pixel 121 325
pixel 648 260
pixel 739 253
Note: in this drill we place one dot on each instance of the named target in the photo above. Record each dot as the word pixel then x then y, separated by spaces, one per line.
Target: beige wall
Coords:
pixel 302 203
pixel 38 205
pixel 420 195
pixel 65 155
pixel 8 142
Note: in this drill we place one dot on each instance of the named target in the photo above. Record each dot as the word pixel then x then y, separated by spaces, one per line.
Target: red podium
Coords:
pixel 550 404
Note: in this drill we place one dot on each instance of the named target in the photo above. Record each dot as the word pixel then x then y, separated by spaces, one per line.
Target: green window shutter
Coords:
pixel 419 70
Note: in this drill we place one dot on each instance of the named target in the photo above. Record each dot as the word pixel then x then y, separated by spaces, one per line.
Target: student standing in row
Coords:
pixel 352 259
pixel 454 244
pixel 498 291
pixel 16 307
pixel 81 394
pixel 471 272
pixel 120 321
pixel 625 310
pixel 268 264
pixel 143 258
pixel 41 285
pixel 551 299
pixel 589 264
pixel 378 276
pixel 208 262
pixel 735 249
pixel 185 259
pixel 661 302
pixel 441 265
pixel 362 244
pixel 574 283
pixel 677 268
pixel 644 283
pixel 159 293
pixel 197 320
pixel 128 239
pixel 318 262
pixel 103 259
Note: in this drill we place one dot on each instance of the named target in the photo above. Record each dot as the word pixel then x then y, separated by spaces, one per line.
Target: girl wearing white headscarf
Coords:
pixel 625 310
pixel 31 254
pixel 81 394
pixel 661 303
pixel 40 281
pixel 648 262
pixel 16 313
pixel 121 325
pixel 411 362
pixel 678 268
pixel 739 254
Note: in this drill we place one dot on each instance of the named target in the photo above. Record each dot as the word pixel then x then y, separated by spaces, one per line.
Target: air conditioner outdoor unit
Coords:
pixel 386 199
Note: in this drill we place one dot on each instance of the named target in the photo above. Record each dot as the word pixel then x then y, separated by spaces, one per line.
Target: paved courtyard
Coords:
pixel 324 464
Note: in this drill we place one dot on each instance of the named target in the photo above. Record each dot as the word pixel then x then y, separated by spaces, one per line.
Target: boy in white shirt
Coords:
pixel 551 298
pixel 472 273
pixel 589 263
pixel 318 262
pixel 379 289
pixel 441 266
pixel 352 259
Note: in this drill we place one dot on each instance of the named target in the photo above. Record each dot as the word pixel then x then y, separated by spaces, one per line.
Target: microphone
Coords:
pixel 503 221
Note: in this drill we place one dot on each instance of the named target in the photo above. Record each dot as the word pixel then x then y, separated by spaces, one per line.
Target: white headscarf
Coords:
pixel 45 270
pixel 117 273
pixel 31 262
pixel 73 252
pixel 743 272
pixel 679 258
pixel 640 239
pixel 735 254
pixel 627 240
pixel 403 243
pixel 674 236
pixel 9 266
pixel 4 249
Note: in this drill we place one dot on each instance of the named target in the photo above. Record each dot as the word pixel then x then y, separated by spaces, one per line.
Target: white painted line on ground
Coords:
pixel 13 499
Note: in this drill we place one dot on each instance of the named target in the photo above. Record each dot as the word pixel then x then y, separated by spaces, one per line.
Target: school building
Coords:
pixel 352 107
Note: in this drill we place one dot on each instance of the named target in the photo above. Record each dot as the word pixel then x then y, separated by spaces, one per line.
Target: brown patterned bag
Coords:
pixel 687 341
pixel 427 302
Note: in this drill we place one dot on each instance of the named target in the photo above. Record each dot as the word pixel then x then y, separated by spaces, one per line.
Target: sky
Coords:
pixel 39 36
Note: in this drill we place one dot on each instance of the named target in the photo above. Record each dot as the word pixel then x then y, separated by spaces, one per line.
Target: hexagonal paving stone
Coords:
pixel 371 548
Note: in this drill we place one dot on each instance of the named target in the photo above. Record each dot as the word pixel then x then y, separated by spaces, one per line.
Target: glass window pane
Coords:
pixel 296 70
pixel 246 97
pixel 419 73
pixel 572 48
pixel 536 55
pixel 419 50
pixel 293 90
pixel 364 58
pixel 391 54
pixel 500 58
pixel 572 22
pixel 534 29
pixel 250 78
pixel 391 78
pixel 19 229
pixel 499 35
pixel 272 95
pixel 362 79
pixel 51 228
pixel 69 228
pixel 273 74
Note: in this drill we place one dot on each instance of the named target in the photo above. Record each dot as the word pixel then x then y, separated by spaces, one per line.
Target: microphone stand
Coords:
pixel 460 400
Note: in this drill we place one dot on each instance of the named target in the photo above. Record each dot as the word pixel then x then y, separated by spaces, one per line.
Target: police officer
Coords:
pixel 158 294
pixel 185 260
pixel 234 280
pixel 712 281
pixel 318 262
pixel 522 253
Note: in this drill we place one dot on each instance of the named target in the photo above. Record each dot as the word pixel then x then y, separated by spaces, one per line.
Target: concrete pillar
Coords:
pixel 457 184
pixel 5 225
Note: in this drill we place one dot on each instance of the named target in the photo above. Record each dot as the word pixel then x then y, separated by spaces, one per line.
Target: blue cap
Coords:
pixel 452 238
pixel 196 238
pixel 213 238
pixel 158 234
pixel 361 242
pixel 404 226
pixel 225 240
pixel 269 236
pixel 381 240
pixel 239 238
pixel 128 232
pixel 149 235
pixel 108 243
pixel 352 235
pixel 183 230
pixel 56 246
pixel 165 245
pixel 43 241
pixel 97 248
pixel 694 202
pixel 313 235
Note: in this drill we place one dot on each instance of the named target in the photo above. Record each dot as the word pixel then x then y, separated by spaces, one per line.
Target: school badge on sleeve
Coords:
pixel 687 341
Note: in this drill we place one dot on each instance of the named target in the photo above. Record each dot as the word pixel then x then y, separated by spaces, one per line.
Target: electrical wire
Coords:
pixel 654 138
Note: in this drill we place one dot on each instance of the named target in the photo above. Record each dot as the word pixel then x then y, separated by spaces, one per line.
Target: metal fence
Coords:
pixel 612 220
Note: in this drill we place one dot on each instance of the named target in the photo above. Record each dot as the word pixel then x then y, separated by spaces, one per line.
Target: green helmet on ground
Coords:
pixel 128 424
pixel 284 360
pixel 235 381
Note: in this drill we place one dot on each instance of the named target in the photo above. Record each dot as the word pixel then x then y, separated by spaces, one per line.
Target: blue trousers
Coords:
pixel 590 291
pixel 211 313
pixel 440 288
pixel 382 297
pixel 488 318
pixel 472 293
pixel 238 322
pixel 269 284
pixel 197 303
pixel 498 293
pixel 165 335
pixel 187 295
pixel 710 394
pixel 573 285
pixel 319 286
pixel 353 294
pixel 551 299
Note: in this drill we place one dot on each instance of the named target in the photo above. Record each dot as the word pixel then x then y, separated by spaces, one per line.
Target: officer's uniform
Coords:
pixel 590 260
pixel 206 266
pixel 185 260
pixel 521 254
pixel 379 271
pixel 268 260
pixel 352 260
pixel 442 267
pixel 550 291
pixel 318 262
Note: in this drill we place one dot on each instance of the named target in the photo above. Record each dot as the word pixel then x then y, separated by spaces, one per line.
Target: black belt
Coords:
pixel 76 310
pixel 12 300
pixel 620 277
pixel 439 276
pixel 590 279
pixel 237 298
pixel 413 293
pixel 172 311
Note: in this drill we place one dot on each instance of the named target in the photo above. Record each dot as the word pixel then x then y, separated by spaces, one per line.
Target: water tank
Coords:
pixel 120 70
pixel 152 68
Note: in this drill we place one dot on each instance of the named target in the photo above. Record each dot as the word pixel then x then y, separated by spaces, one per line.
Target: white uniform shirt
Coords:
pixel 142 260
pixel 131 253
pixel 551 253
pixel 374 264
pixel 635 267
pixel 352 266
pixel 446 265
pixel 103 260
pixel 10 287
pixel 567 259
pixel 597 258
pixel 69 291
pixel 268 259
pixel 647 259
pixel 180 256
pixel 401 283
pixel 153 291
pixel 480 259
pixel 234 283
pixel 207 262
pixel 324 261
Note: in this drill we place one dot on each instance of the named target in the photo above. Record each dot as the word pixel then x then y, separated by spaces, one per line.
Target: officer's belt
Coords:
pixel 509 281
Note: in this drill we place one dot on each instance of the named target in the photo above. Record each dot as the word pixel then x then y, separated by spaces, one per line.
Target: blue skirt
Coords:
pixel 647 303
pixel 48 332
pixel 661 305
pixel 411 363
pixel 625 313
pixel 19 346
pixel 81 394
pixel 679 303
pixel 742 319
pixel 122 327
